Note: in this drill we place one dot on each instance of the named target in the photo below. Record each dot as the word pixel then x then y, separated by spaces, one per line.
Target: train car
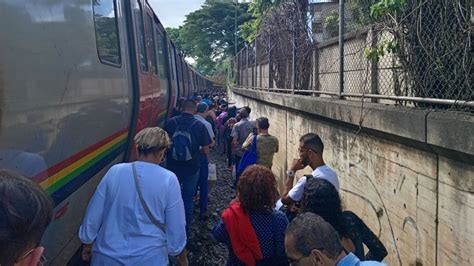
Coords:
pixel 78 79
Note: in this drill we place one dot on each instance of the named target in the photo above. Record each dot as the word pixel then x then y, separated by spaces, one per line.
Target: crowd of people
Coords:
pixel 141 212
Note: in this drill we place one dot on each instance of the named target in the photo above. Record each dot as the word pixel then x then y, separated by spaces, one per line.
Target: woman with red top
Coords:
pixel 253 231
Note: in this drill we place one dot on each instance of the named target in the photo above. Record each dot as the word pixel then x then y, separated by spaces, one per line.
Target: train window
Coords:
pixel 106 32
pixel 141 37
pixel 162 61
pixel 154 67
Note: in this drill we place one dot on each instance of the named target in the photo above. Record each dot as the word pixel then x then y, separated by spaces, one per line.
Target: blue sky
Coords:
pixel 172 12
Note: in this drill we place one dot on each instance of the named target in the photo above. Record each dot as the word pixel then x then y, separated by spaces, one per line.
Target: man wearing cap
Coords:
pixel 204 170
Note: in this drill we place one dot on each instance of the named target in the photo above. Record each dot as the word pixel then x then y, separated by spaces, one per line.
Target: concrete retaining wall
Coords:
pixel 409 174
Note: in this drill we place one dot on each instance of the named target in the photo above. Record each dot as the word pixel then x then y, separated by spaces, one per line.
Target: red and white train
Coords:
pixel 77 80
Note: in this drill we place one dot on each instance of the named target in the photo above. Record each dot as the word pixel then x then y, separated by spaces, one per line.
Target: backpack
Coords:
pixel 249 157
pixel 182 143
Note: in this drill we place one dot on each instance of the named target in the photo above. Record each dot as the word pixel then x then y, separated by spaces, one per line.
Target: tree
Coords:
pixel 258 9
pixel 174 35
pixel 208 34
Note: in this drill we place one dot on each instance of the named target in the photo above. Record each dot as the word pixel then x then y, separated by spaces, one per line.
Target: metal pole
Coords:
pixel 235 26
pixel 341 48
pixel 293 77
pixel 270 64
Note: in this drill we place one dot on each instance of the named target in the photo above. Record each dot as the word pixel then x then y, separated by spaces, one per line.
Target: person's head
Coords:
pixel 201 108
pixel 189 106
pixel 213 107
pixel 25 212
pixel 310 240
pixel 180 103
pixel 256 189
pixel 151 143
pixel 248 109
pixel 243 113
pixel 263 124
pixel 311 150
pixel 232 111
pixel 198 98
pixel 224 107
pixel 321 197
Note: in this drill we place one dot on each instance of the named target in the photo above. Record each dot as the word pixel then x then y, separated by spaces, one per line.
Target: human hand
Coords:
pixel 297 165
pixel 86 252
pixel 182 259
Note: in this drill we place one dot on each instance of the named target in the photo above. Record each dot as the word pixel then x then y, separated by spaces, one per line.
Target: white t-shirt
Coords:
pixel 324 172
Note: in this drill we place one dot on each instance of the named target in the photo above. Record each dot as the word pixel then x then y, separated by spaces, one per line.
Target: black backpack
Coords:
pixel 182 142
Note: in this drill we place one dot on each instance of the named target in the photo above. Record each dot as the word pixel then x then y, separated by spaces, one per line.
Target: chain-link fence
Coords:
pixel 420 57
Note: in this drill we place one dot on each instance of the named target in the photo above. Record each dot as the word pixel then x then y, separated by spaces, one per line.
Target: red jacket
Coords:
pixel 242 234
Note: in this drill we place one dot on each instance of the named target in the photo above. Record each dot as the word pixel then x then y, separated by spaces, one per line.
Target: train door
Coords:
pixel 144 80
pixel 165 74
pixel 174 80
pixel 154 101
pixel 179 71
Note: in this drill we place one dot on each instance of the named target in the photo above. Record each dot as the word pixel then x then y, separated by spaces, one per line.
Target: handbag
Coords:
pixel 249 157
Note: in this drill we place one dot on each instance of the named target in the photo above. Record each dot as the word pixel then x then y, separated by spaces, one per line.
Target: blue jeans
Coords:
pixel 202 184
pixel 188 188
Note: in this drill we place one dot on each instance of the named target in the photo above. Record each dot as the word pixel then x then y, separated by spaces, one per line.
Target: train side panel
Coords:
pixel 65 102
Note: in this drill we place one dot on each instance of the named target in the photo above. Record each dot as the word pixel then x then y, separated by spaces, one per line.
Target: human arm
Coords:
pixel 294 193
pixel 175 219
pixel 248 141
pixel 204 138
pixel 220 232
pixel 205 150
pixel 282 224
pixel 376 250
pixel 93 218
pixel 234 136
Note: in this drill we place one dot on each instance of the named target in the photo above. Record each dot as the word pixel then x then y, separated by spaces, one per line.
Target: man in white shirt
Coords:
pixel 310 154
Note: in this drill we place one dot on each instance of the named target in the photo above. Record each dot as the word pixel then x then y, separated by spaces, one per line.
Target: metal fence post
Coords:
pixel 374 75
pixel 270 64
pixel 247 66
pixel 293 76
pixel 341 48
pixel 256 64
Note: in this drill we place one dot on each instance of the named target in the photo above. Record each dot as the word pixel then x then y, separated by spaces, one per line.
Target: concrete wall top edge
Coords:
pixel 440 129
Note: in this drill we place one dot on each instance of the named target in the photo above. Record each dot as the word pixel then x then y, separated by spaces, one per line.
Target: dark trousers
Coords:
pixel 229 152
pixel 202 184
pixel 237 162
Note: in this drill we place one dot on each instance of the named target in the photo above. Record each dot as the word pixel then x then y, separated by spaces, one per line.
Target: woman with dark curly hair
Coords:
pixel 320 197
pixel 252 230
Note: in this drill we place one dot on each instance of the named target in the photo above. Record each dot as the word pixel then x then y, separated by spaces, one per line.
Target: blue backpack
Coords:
pixel 249 157
pixel 182 143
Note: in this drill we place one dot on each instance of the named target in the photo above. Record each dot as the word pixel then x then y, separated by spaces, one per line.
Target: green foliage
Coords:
pixel 331 24
pixel 207 35
pixel 174 35
pixel 360 12
pixel 384 47
pixel 384 7
pixel 257 9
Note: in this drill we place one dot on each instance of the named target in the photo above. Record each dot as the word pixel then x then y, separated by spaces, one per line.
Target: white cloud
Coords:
pixel 172 12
